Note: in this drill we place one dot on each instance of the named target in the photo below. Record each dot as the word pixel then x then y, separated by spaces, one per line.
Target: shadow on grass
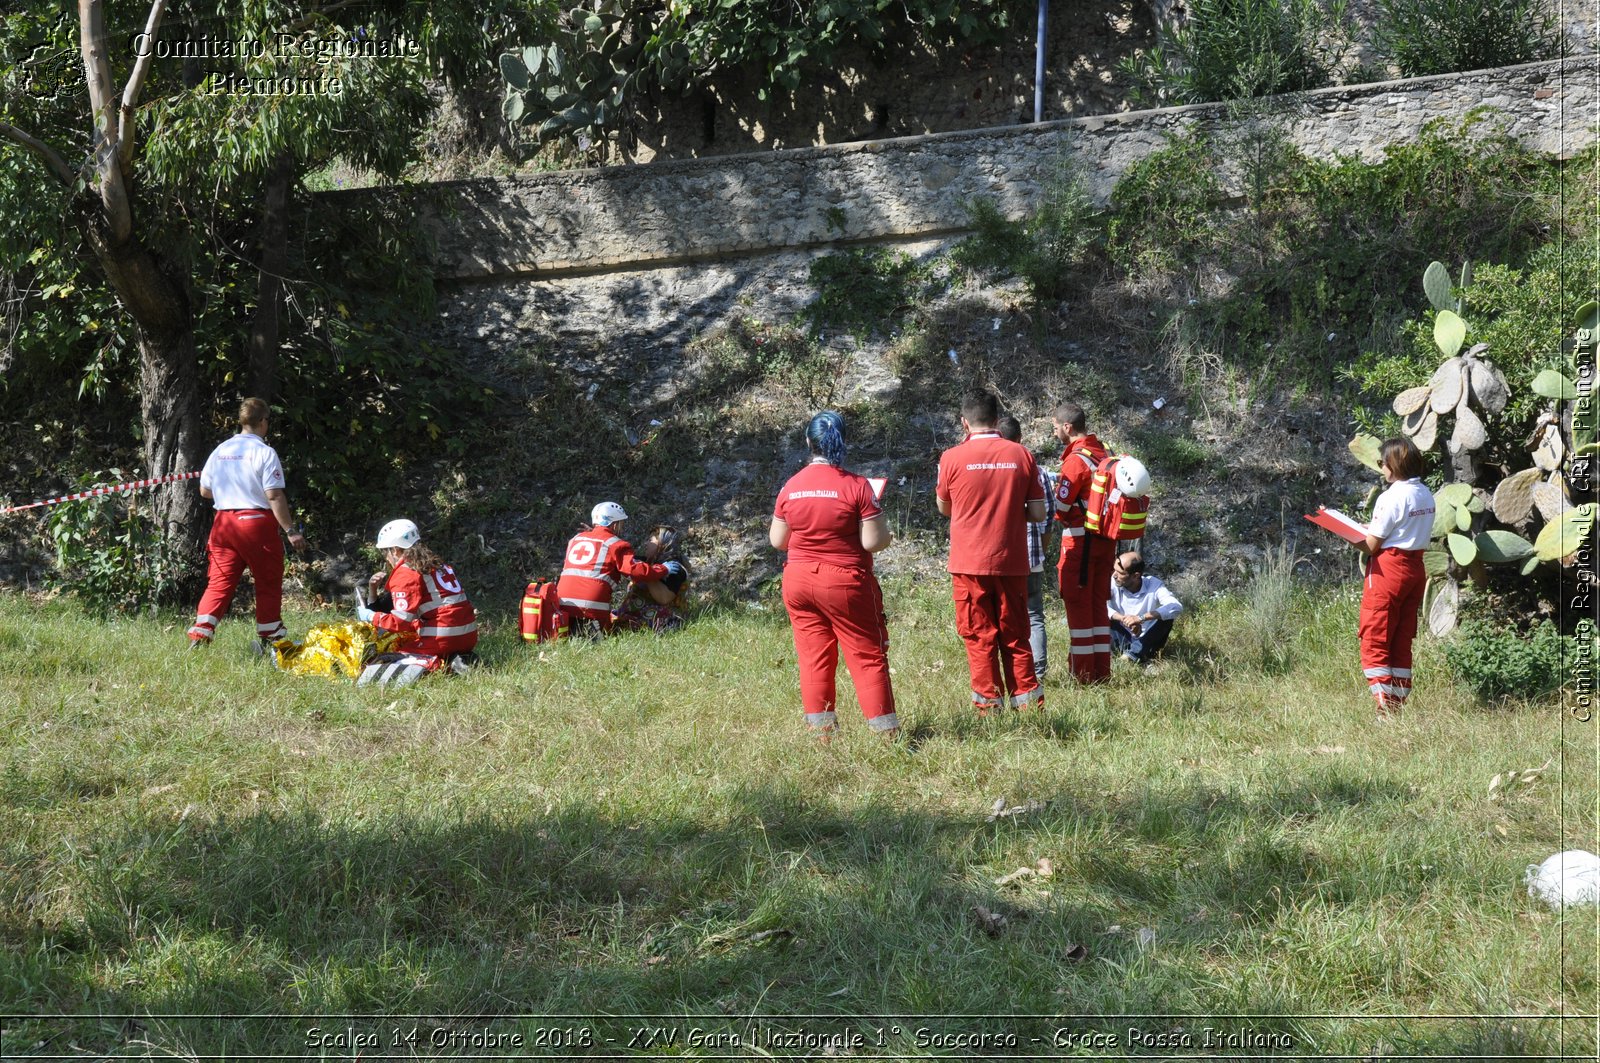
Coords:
pixel 771 901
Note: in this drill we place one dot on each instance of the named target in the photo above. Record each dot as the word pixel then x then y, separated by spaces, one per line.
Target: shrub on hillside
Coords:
pixel 1242 49
pixel 1496 663
pixel 1440 36
pixel 1043 248
pixel 108 552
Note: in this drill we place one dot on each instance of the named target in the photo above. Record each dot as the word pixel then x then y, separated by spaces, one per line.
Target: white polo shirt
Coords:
pixel 1402 517
pixel 1151 597
pixel 241 471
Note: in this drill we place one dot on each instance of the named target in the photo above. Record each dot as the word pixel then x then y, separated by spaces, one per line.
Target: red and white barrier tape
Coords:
pixel 133 486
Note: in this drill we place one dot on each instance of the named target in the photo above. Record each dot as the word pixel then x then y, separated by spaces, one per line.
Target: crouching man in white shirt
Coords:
pixel 1141 610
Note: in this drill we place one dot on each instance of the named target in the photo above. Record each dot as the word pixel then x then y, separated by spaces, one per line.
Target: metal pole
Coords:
pixel 1038 65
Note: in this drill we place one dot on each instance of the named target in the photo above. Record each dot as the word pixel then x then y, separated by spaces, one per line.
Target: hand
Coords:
pixel 297 541
pixel 364 614
pixel 375 583
pixel 674 567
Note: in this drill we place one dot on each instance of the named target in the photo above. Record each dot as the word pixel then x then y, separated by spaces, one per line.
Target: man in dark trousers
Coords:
pixel 987 486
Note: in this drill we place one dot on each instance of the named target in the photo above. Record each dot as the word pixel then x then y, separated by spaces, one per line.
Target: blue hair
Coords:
pixel 825 434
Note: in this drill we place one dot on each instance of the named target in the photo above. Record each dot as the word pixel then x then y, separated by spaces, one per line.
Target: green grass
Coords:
pixel 609 827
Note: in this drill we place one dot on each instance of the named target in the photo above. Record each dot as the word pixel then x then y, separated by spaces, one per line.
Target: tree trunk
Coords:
pixel 267 327
pixel 169 393
pixel 175 441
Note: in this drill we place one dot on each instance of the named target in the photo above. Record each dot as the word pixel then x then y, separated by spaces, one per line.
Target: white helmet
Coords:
pixel 400 534
pixel 605 514
pixel 1133 479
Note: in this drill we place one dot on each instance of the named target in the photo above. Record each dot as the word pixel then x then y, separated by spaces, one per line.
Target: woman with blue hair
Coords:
pixel 829 522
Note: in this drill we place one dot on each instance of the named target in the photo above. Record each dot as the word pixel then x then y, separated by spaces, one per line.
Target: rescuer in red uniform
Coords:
pixel 597 560
pixel 1086 560
pixel 829 521
pixel 1401 525
pixel 243 478
pixel 424 599
pixel 989 487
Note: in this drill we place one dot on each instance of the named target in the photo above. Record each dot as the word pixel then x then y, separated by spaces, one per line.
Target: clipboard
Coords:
pixel 1341 525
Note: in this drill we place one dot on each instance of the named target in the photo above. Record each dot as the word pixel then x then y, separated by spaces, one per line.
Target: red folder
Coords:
pixel 1339 524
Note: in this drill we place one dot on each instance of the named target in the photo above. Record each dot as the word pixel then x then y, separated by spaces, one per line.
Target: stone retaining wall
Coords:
pixel 675 212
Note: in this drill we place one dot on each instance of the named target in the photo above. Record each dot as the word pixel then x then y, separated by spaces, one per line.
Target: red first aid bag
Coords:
pixel 543 618
pixel 1107 511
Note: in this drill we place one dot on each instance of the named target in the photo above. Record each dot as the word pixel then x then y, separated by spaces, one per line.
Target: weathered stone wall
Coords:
pixel 917 187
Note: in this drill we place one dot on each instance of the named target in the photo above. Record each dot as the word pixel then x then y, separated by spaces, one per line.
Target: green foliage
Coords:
pixel 1169 455
pixel 867 290
pixel 108 553
pixel 1164 208
pixel 1440 36
pixel 1496 663
pixel 1242 49
pixel 1045 248
pixel 748 351
pixel 351 367
pixel 1320 263
pixel 602 59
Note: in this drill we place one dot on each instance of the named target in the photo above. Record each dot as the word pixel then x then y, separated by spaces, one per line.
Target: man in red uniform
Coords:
pixel 1086 560
pixel 243 478
pixel 596 561
pixel 986 486
pixel 424 600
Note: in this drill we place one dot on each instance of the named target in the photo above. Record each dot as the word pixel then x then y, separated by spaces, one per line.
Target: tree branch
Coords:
pixel 97 75
pixel 130 92
pixel 96 66
pixel 45 153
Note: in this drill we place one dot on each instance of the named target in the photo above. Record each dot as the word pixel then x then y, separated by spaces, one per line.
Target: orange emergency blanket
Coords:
pixel 336 651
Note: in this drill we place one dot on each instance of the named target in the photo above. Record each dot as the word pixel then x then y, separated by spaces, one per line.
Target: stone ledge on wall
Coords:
pixel 675 212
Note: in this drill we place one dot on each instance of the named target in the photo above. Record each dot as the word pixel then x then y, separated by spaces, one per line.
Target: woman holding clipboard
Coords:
pixel 829 522
pixel 1402 522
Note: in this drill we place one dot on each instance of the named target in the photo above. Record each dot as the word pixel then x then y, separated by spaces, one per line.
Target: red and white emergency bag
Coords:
pixel 543 617
pixel 1119 499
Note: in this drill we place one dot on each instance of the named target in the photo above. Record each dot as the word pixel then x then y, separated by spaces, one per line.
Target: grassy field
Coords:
pixel 643 827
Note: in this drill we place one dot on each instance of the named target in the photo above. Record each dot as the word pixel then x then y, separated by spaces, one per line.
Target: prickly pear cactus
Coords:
pixel 1467 387
pixel 583 80
pixel 1531 515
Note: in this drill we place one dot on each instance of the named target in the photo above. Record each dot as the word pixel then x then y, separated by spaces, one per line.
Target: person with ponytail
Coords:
pixel 423 600
pixel 828 521
pixel 1402 523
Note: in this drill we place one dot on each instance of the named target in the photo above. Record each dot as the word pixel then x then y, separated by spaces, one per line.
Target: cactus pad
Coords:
pixel 1411 400
pixel 1513 499
pixel 1488 386
pixel 1551 499
pixel 1446 385
pixel 1469 433
pixel 1548 451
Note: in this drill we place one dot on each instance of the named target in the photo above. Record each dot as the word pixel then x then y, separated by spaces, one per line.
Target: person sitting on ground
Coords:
pixel 1141 610
pixel 657 604
pixel 423 599
pixel 596 560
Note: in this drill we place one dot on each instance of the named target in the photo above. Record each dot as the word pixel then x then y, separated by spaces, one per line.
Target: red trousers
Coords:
pixel 992 619
pixel 1389 604
pixel 240 539
pixel 1085 575
pixel 830 607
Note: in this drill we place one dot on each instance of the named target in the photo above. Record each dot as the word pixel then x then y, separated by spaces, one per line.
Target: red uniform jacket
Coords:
pixel 596 562
pixel 432 609
pixel 1072 489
